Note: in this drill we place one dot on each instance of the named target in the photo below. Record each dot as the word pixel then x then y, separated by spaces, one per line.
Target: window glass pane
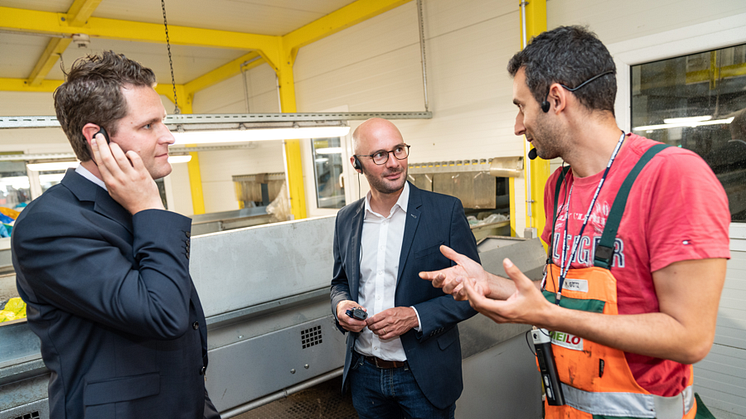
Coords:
pixel 698 102
pixel 327 167
pixel 47 179
pixel 14 185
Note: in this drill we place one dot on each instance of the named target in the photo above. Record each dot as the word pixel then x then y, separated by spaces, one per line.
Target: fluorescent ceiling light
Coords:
pixel 179 159
pixel 329 150
pixel 257 134
pixel 683 124
pixel 687 120
pixel 51 166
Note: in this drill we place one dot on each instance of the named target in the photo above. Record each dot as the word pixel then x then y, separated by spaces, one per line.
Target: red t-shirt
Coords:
pixel 677 210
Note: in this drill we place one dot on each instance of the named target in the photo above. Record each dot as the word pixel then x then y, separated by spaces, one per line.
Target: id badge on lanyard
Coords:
pixel 565 263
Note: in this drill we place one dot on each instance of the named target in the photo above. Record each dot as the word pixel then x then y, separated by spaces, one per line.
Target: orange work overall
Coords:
pixel 596 380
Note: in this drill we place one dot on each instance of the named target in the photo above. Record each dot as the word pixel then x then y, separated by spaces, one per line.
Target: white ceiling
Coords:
pixel 19 53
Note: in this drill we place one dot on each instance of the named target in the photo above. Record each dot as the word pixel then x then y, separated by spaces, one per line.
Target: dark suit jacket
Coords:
pixel 434 353
pixel 109 294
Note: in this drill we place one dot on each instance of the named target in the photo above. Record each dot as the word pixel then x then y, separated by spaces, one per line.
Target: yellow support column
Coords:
pixel 293 160
pixel 536 23
pixel 195 175
pixel 195 183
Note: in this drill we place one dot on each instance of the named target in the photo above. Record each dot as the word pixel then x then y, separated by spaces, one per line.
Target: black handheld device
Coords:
pixel 357 313
pixel 101 130
pixel 547 367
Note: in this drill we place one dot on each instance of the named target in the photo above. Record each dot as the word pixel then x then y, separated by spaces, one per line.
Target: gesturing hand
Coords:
pixel 526 305
pixel 450 279
pixel 126 177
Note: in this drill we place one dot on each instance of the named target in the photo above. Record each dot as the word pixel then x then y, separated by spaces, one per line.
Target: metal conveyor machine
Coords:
pixel 265 293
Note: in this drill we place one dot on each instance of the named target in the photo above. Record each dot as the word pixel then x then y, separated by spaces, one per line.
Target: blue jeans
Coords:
pixel 390 393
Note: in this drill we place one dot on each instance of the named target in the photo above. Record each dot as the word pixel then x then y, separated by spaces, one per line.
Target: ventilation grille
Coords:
pixel 32 415
pixel 310 337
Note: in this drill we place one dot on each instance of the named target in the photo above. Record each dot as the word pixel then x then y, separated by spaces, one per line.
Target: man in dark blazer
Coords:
pixel 404 359
pixel 104 269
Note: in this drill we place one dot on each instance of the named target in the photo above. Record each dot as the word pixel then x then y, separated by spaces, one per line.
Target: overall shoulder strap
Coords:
pixel 605 249
pixel 557 189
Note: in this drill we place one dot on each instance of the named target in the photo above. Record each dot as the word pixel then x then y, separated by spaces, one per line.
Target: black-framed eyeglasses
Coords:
pixel 380 157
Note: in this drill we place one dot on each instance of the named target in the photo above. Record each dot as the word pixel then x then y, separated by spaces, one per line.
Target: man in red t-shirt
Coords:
pixel 669 253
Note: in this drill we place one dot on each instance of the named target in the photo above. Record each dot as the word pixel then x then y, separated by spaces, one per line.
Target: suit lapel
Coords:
pixel 103 203
pixel 410 227
pixel 355 240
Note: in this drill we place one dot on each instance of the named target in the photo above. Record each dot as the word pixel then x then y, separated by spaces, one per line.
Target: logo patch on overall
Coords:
pixel 579 285
pixel 567 340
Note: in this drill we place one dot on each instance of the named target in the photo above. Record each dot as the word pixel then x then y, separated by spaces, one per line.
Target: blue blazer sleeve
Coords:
pixel 91 266
pixel 441 313
pixel 340 288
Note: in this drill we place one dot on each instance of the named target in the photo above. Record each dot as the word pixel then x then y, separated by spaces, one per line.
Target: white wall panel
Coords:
pixel 445 16
pixel 375 66
pixel 229 96
pixel 365 41
pixel 616 21
pixel 178 183
pixel 217 169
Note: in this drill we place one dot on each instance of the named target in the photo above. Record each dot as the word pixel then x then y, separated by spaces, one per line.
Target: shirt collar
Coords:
pixel 82 171
pixel 402 202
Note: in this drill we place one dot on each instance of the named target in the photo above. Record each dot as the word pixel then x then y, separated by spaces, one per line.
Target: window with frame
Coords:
pixel 328 168
pixel 698 102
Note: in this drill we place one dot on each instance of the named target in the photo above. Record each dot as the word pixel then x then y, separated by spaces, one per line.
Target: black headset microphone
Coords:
pixel 532 154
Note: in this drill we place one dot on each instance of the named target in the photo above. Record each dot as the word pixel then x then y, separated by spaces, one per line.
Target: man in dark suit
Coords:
pixel 104 268
pixel 404 359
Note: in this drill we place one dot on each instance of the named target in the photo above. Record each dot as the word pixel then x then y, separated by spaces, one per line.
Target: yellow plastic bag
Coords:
pixel 14 309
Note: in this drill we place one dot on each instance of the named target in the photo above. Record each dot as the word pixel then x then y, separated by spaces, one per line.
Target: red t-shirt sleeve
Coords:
pixel 689 216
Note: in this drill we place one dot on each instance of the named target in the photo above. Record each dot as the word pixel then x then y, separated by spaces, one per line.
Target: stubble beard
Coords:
pixel 549 141
pixel 381 185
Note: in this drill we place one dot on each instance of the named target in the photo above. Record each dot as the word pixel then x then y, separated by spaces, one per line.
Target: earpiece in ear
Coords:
pixel 106 135
pixel 356 164
pixel 545 105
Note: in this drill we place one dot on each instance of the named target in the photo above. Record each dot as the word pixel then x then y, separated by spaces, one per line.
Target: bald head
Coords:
pixel 370 130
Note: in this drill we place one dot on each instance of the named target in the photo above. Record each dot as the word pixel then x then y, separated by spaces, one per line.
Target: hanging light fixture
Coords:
pixel 211 135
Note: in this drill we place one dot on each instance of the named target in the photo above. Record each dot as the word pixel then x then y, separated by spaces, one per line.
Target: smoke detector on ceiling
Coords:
pixel 82 40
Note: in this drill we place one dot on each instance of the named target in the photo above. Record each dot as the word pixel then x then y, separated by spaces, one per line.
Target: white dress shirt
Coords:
pixel 82 171
pixel 380 249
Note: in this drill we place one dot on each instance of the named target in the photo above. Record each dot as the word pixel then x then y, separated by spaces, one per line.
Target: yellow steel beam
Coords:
pixel 56 23
pixel 48 59
pixel 271 48
pixel 224 72
pixel 22 85
pixel 77 15
pixel 80 11
pixel 536 23
pixel 336 21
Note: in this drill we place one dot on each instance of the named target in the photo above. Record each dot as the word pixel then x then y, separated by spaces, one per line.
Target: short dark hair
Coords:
pixel 569 55
pixel 92 93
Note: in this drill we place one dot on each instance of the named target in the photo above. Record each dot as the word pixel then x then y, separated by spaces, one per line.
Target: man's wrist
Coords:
pixel 417 327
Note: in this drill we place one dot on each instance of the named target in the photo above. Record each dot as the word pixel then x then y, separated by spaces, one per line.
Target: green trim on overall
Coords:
pixel 605 249
pixel 592 306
